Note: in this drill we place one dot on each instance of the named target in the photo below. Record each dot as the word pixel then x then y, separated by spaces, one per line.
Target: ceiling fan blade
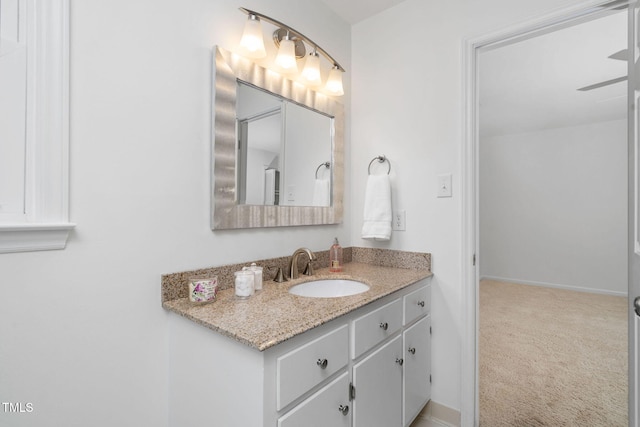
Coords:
pixel 620 55
pixel 604 83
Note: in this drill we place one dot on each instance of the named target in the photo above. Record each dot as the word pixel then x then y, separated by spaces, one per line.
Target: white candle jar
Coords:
pixel 244 283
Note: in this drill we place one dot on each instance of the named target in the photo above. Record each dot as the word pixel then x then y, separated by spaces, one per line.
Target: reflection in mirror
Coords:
pixel 280 145
pixel 290 175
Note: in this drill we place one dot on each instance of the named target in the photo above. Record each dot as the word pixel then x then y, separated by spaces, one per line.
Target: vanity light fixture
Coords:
pixel 286 57
pixel 291 47
pixel 311 71
pixel 334 82
pixel 252 43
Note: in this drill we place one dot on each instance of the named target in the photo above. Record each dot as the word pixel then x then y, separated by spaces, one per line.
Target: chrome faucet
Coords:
pixel 293 263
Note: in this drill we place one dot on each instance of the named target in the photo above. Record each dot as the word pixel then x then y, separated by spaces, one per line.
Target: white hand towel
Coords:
pixel 377 208
pixel 321 193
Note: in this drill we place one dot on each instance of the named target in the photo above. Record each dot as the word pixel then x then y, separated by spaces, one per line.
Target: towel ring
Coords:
pixel 380 159
pixel 325 164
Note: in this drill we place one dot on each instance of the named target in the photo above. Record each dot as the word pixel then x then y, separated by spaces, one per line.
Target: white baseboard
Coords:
pixel 555 285
pixel 442 414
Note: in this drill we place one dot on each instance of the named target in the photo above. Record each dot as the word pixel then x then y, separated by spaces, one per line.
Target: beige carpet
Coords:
pixel 551 357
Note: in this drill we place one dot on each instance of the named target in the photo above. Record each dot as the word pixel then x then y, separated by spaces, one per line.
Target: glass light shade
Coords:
pixel 311 71
pixel 252 43
pixel 286 58
pixel 334 82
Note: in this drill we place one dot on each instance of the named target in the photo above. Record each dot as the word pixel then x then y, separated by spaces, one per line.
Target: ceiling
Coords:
pixel 353 11
pixel 532 85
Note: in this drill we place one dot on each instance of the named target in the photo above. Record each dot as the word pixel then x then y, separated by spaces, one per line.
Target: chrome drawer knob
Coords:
pixel 322 363
pixel 421 303
pixel 384 326
pixel 412 350
pixel 344 409
pixel 400 361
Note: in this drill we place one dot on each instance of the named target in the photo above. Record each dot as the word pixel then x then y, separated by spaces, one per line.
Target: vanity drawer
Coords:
pixel 375 327
pixel 327 407
pixel 307 366
pixel 417 304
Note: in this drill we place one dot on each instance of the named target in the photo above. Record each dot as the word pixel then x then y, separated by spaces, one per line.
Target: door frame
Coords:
pixel 538 25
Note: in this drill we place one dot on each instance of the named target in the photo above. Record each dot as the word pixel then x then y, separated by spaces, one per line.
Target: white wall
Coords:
pixel 83 336
pixel 407 104
pixel 307 145
pixel 553 207
pixel 82 333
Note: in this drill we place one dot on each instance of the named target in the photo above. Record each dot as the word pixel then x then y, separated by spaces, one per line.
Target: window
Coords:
pixel 34 125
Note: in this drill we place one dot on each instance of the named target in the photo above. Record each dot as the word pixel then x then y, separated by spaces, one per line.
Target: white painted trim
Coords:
pixel 441 414
pixel 33 237
pixel 469 399
pixel 46 216
pixel 469 396
pixel 555 286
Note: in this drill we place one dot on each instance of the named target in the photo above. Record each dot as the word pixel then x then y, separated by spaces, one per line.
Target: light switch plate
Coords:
pixel 444 185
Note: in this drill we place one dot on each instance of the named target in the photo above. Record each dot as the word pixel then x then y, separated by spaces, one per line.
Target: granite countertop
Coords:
pixel 273 315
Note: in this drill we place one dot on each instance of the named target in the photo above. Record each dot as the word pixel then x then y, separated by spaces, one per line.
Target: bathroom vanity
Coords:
pixel 283 360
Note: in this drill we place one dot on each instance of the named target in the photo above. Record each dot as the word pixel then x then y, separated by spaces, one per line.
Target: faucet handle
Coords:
pixel 308 271
pixel 279 277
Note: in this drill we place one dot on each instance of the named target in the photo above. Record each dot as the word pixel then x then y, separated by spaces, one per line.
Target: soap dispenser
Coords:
pixel 335 257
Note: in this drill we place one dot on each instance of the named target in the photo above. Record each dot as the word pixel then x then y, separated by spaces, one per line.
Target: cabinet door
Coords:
pixel 417 368
pixel 329 407
pixel 378 386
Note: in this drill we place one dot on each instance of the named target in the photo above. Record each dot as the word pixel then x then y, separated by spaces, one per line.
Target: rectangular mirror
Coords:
pixel 277 149
pixel 284 150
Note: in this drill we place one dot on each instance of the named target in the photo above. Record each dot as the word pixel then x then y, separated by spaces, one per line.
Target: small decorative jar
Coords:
pixel 244 283
pixel 257 271
pixel 203 289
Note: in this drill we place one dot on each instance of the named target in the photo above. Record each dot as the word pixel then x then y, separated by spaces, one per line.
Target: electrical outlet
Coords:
pixel 291 193
pixel 398 223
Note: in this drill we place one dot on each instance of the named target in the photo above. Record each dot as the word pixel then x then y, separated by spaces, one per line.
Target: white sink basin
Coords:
pixel 329 288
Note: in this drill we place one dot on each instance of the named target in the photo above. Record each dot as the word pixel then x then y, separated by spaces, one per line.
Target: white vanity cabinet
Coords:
pixel 328 407
pixel 417 369
pixel 299 370
pixel 417 353
pixel 367 368
pixel 392 383
pixel 378 387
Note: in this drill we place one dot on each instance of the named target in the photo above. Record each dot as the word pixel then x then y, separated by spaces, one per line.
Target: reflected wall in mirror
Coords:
pixel 294 175
pixel 283 151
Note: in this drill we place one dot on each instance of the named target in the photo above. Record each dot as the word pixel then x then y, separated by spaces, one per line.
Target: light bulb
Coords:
pixel 311 71
pixel 286 58
pixel 334 82
pixel 252 44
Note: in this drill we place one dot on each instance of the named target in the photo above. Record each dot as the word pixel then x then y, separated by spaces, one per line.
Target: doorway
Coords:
pixel 472 227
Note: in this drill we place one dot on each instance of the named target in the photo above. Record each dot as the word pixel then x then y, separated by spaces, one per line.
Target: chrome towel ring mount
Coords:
pixel 325 164
pixel 380 159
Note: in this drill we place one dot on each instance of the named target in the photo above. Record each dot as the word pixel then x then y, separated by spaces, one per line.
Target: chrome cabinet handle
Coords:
pixel 384 326
pixel 322 363
pixel 421 303
pixel 412 350
pixel 344 409
pixel 399 361
pixel 636 304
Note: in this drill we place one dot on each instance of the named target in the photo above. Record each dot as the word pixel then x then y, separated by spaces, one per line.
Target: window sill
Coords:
pixel 33 237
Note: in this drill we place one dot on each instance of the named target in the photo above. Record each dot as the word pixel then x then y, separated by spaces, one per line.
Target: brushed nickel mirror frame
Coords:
pixel 226 213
